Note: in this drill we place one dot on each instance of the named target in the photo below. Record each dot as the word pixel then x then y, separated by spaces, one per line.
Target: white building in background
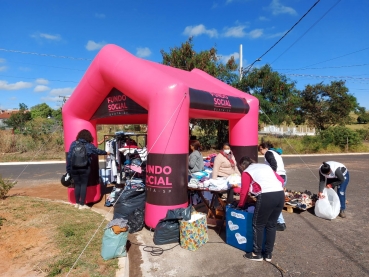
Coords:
pixel 288 131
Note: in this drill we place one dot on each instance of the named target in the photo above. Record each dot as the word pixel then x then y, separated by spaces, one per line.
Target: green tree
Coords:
pixel 18 120
pixel 186 58
pixel 327 105
pixel 278 96
pixel 41 110
pixel 57 114
pixel 363 117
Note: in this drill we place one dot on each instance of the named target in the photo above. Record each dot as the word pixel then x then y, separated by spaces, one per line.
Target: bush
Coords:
pixel 363 133
pixel 5 186
pixel 340 136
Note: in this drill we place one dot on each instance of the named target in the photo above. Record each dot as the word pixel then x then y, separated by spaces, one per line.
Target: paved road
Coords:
pixel 34 173
pixel 43 173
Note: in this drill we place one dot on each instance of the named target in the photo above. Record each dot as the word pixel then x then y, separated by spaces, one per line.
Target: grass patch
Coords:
pixel 63 233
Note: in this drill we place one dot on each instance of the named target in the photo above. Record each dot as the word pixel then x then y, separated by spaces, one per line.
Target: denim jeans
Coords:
pixel 341 191
pixel 280 219
pixel 80 178
pixel 268 207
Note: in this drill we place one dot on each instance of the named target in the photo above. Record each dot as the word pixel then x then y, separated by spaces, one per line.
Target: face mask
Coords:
pixel 227 151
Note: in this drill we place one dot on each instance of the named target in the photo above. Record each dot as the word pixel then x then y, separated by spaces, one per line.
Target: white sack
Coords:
pixel 329 206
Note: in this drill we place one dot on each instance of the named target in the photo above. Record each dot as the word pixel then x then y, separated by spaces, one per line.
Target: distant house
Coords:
pixel 5 114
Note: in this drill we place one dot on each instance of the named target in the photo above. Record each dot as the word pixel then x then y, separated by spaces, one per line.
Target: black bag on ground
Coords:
pixel 128 201
pixel 136 221
pixel 166 231
pixel 79 155
pixel 180 213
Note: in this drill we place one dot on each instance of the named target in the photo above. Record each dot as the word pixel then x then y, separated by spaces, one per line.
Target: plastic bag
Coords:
pixel 180 213
pixel 113 246
pixel 329 206
pixel 128 202
pixel 136 221
pixel 166 231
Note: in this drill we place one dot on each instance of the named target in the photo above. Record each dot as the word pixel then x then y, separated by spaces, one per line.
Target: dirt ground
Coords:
pixel 309 247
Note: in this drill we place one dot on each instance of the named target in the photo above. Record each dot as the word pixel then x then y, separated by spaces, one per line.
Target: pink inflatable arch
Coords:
pixel 119 88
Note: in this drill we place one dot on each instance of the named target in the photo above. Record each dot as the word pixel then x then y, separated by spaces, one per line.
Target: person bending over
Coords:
pixel 334 174
pixel 266 185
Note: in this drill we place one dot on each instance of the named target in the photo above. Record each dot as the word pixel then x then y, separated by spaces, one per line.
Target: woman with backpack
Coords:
pixel 273 158
pixel 79 164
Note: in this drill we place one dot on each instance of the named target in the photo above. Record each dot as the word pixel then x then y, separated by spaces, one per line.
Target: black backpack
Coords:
pixel 79 155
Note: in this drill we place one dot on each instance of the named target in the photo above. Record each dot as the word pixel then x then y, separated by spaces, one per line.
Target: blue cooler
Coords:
pixel 239 232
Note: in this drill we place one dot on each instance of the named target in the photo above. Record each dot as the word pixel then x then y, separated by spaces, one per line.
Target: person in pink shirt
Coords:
pixel 262 182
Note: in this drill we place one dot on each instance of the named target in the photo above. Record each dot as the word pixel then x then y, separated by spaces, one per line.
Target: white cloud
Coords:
pixel 214 6
pixel 199 30
pixel 42 81
pixel 263 18
pixel 143 52
pixel 277 8
pixel 275 35
pixel 15 86
pixel 237 31
pixel 91 45
pixel 225 58
pixel 13 98
pixel 255 33
pixel 3 68
pixel 229 2
pixel 2 60
pixel 50 98
pixel 46 36
pixel 41 88
pixel 100 15
pixel 61 91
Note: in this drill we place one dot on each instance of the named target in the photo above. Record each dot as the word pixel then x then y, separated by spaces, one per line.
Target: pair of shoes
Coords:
pixel 268 257
pixel 84 207
pixel 76 206
pixel 342 214
pixel 281 226
pixel 251 256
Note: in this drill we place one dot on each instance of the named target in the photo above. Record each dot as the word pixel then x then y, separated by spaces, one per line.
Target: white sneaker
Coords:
pixel 76 206
pixel 84 207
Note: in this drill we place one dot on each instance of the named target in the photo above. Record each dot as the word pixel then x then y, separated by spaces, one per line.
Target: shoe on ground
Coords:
pixel 84 207
pixel 268 257
pixel 342 214
pixel 76 206
pixel 281 226
pixel 251 256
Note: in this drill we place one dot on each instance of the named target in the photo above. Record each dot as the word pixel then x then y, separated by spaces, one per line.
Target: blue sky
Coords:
pixel 330 43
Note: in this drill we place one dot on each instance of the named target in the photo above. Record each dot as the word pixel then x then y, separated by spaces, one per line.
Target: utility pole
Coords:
pixel 241 62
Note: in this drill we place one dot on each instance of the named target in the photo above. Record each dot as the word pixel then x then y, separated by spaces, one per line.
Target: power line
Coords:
pixel 64 81
pixel 44 55
pixel 328 77
pixel 312 26
pixel 283 36
pixel 306 67
pixel 47 65
pixel 342 66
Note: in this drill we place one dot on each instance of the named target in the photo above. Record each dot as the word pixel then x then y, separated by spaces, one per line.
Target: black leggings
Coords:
pixel 267 209
pixel 80 178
